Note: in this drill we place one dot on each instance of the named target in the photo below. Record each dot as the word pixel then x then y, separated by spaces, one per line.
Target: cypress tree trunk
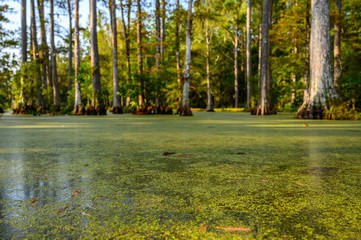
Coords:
pixel 44 52
pixel 249 66
pixel 78 107
pixel 116 100
pixel 39 91
pixel 209 95
pixel 263 108
pixel 140 59
pixel 185 109
pixel 177 44
pixel 307 55
pixel 322 92
pixel 337 43
pixel 56 94
pixel 24 42
pixel 162 30
pixel 126 42
pixel 70 52
pixel 236 40
pixel 157 50
pixel 97 105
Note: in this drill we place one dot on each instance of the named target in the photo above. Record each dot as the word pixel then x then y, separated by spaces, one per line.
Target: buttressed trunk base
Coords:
pixel 322 92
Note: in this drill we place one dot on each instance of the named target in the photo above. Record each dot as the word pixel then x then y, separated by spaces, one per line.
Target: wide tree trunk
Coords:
pixel 24 42
pixel 56 93
pixel 70 51
pixel 337 43
pixel 78 107
pixel 127 43
pixel 97 105
pixel 39 102
pixel 322 92
pixel 185 108
pixel 116 99
pixel 249 65
pixel 140 58
pixel 209 95
pixel 263 108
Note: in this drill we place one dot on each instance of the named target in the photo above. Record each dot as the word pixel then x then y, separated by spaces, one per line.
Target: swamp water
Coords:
pixel 211 176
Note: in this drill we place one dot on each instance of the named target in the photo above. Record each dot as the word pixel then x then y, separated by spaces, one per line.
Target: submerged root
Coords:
pixel 79 110
pixel 307 111
pixel 261 111
pixel 91 110
pixel 117 110
pixel 185 111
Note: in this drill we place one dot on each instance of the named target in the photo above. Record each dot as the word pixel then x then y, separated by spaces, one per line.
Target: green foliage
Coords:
pixel 341 112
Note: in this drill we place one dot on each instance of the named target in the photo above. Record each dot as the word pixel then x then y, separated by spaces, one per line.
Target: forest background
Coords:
pixel 218 65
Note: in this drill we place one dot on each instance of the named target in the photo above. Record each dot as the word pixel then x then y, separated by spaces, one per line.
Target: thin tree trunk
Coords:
pixel 322 90
pixel 97 107
pixel 56 94
pixel 249 64
pixel 260 46
pixel 126 42
pixel 140 59
pixel 70 52
pixel 269 64
pixel 307 55
pixel 43 53
pixel 209 95
pixel 24 42
pixel 185 108
pixel 39 91
pixel 236 40
pixel 78 108
pixel 337 43
pixel 162 30
pixel 116 100
pixel 177 43
pixel 158 47
pixel 294 77
pixel 263 108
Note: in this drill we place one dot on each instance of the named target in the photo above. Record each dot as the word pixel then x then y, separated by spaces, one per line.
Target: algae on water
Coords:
pixel 213 176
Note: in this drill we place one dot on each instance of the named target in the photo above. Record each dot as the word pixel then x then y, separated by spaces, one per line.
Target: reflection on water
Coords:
pixel 76 176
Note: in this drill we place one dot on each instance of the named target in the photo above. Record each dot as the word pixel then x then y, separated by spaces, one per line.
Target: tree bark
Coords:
pixel 44 54
pixel 322 90
pixel 263 108
pixel 209 95
pixel 70 52
pixel 185 108
pixel 249 64
pixel 24 42
pixel 126 42
pixel 56 94
pixel 337 43
pixel 162 30
pixel 97 105
pixel 236 40
pixel 307 55
pixel 140 59
pixel 177 44
pixel 116 99
pixel 78 107
pixel 39 91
